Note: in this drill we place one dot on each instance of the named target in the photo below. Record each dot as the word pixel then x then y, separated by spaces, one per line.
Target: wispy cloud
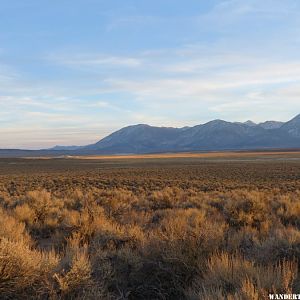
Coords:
pixel 210 81
pixel 95 60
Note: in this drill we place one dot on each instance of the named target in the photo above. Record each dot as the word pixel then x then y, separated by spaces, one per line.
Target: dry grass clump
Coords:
pixel 25 271
pixel 12 229
pixel 159 236
pixel 237 278
pixel 75 278
pixel 40 211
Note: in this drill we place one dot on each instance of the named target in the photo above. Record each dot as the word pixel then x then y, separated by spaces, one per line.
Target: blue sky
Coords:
pixel 72 72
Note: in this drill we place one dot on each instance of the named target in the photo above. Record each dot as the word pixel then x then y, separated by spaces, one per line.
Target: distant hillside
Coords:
pixel 216 135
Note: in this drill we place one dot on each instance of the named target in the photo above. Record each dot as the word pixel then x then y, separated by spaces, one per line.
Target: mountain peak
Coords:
pixel 136 126
pixel 217 122
pixel 296 119
pixel 271 124
pixel 292 127
pixel 250 123
pixel 141 125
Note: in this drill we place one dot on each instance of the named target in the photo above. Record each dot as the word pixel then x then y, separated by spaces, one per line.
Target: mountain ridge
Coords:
pixel 215 135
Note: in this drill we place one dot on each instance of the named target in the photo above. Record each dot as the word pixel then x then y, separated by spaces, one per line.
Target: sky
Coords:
pixel 73 71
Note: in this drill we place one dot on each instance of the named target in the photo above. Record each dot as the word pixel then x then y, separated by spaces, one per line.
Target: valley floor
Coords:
pixel 176 226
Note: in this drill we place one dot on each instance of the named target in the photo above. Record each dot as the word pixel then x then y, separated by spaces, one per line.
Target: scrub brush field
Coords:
pixel 152 227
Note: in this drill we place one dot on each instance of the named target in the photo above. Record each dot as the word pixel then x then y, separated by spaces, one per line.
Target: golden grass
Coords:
pixel 213 154
pixel 169 244
pixel 150 237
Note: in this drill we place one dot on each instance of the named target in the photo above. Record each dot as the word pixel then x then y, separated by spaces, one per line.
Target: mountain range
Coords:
pixel 216 135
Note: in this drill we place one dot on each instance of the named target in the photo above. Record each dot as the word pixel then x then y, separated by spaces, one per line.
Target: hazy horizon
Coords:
pixel 74 72
pixel 101 137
